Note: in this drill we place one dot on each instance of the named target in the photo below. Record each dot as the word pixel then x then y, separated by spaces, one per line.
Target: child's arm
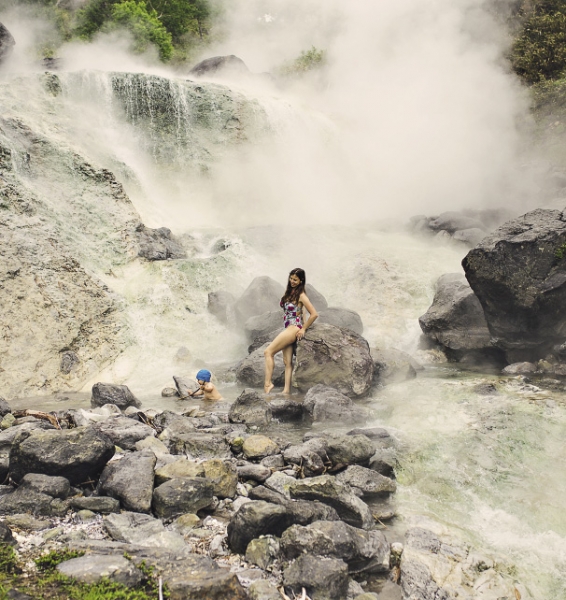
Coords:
pixel 196 393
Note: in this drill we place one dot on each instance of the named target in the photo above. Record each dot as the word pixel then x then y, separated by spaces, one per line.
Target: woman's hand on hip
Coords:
pixel 300 334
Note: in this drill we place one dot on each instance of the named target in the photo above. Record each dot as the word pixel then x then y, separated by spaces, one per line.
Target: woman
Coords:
pixel 292 303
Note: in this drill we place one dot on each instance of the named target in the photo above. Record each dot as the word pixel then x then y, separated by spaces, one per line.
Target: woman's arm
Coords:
pixel 313 315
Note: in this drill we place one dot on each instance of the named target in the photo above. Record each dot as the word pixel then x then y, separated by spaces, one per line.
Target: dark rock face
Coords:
pixel 518 274
pixel 158 244
pixel 250 408
pixel 456 319
pixel 56 487
pixel 28 500
pixel 261 296
pixel 393 366
pixel 324 403
pixel 322 578
pixel 7 43
pixel 108 393
pixel 336 357
pixel 77 454
pixel 220 64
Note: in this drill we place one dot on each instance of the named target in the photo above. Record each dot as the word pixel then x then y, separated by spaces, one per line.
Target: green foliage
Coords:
pixel 539 51
pixel 307 61
pixel 8 561
pixel 560 252
pixel 183 16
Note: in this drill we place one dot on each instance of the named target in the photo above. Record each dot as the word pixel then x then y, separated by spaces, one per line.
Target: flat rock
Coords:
pixel 124 431
pixel 322 578
pixel 325 403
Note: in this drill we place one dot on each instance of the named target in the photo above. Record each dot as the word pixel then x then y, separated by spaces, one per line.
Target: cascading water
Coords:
pixel 482 465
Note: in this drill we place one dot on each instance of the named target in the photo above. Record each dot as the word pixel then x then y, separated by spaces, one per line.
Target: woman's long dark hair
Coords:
pixel 292 294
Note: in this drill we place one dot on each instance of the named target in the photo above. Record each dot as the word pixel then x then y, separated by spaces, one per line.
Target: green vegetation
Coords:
pixel 308 60
pixel 560 251
pixel 48 583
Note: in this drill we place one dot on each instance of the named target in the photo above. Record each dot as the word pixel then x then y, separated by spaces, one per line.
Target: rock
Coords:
pixel 263 551
pixel 223 477
pixel 317 299
pixel 7 43
pixel 56 487
pixel 185 386
pixel 93 568
pixel 350 450
pixel 124 431
pixel 101 504
pixel 341 317
pixel 471 237
pixel 130 480
pixel 378 435
pixel 77 454
pixel 28 500
pixel 263 590
pixel 6 536
pixel 326 489
pixel 108 393
pixel 256 447
pixel 335 357
pixel 280 483
pixel 151 443
pixel 198 445
pixel 384 462
pixel 456 318
pixel 216 584
pixel 520 368
pixel 324 403
pixel 363 551
pixel 286 409
pixel 518 274
pixel 453 221
pixel 132 527
pixel 322 578
pixel 368 481
pixel 230 65
pixel 254 472
pixel 254 519
pixel 266 323
pixel 186 523
pixel 393 366
pixel 179 469
pixel 221 305
pixel 158 244
pixel 250 408
pixel 4 406
pixel 178 496
pixel 310 456
pixel 169 392
pixel 251 370
pixel 261 296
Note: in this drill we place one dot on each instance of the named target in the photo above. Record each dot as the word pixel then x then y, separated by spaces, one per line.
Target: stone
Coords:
pixel 322 578
pixel 185 386
pixel 310 456
pixel 221 305
pixel 186 523
pixel 28 500
pixel 130 480
pixel 223 477
pixel 284 409
pixel 452 221
pixel 256 447
pixel 254 519
pixel 7 43
pixel 56 487
pixel 220 65
pixel 520 368
pixel 4 408
pixel 27 522
pixel 213 584
pixel 350 450
pixel 254 472
pixel 179 496
pixel 325 403
pixel 263 590
pixel 251 370
pixel 131 527
pixel 108 393
pixel 179 469
pixel 261 296
pixel 280 483
pixel 264 324
pixel 77 454
pixel 169 392
pixel 152 443
pixel 317 299
pixel 456 318
pixel 327 490
pixel 100 504
pixel 93 568
pixel 368 481
pixel 471 237
pixel 336 357
pixel 341 317
pixel 250 408
pixel 124 431
pixel 158 244
pixel 263 551
pixel 199 445
pixel 393 366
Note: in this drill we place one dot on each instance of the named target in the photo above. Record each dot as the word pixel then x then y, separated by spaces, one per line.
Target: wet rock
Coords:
pixel 100 504
pixel 108 393
pixel 326 489
pixel 368 481
pixel 254 519
pixel 124 431
pixel 263 551
pixel 158 244
pixel 335 357
pixel 4 408
pixel 384 462
pixel 322 578
pixel 260 297
pixel 324 403
pixel 185 386
pixel 521 368
pixel 178 496
pixel 366 551
pixel 221 305
pixel 77 454
pixel 393 366
pixel 350 450
pixel 251 370
pixel 518 274
pixel 256 447
pixel 286 409
pixel 56 487
pixel 231 65
pixel 93 568
pixel 130 480
pixel 7 43
pixel 456 318
pixel 250 408
pixel 310 456
pixel 254 472
pixel 223 477
pixel 341 317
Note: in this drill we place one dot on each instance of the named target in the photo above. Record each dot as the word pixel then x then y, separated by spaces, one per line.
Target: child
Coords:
pixel 207 389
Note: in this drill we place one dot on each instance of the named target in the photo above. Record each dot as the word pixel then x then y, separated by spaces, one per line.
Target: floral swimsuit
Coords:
pixel 292 314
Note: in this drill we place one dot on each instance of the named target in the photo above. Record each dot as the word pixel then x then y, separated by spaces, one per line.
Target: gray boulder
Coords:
pixel 132 527
pixel 520 368
pixel 393 366
pixel 254 472
pixel 336 357
pixel 100 504
pixel 95 567
pixel 179 496
pixel 452 221
pixel 56 487
pixel 311 456
pixel 317 299
pixel 261 296
pixel 250 408
pixel 108 393
pixel 197 584
pixel 518 274
pixel 324 403
pixel 251 370
pixel 344 450
pixel 341 317
pixel 221 305
pixel 197 444
pixel 322 578
pixel 471 237
pixel 158 244
pixel 7 43
pixel 456 318
pixel 368 481
pixel 77 454
pixel 28 500
pixel 266 323
pixel 130 480
pixel 185 386
pixel 366 551
pixel 4 408
pixel 217 65
pixel 124 431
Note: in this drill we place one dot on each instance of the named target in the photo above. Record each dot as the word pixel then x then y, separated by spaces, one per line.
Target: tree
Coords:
pixel 183 16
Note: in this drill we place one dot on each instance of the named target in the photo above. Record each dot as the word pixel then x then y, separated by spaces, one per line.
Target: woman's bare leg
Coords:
pixel 284 339
pixel 288 360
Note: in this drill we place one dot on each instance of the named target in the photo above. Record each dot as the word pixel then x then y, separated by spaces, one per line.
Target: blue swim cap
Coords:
pixel 204 375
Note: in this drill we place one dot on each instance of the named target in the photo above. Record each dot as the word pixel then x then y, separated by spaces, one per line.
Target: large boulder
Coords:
pixel 393 366
pixel 220 65
pixel 452 221
pixel 262 295
pixel 518 274
pixel 108 393
pixel 266 323
pixel 78 454
pixel 456 319
pixel 250 408
pixel 7 43
pixel 251 370
pixel 158 244
pixel 324 403
pixel 322 578
pixel 336 357
pixel 221 305
pixel 341 317
pixel 179 496
pixel 123 431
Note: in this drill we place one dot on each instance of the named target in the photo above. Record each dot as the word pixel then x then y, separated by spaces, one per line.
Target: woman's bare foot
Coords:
pixel 286 392
pixel 267 388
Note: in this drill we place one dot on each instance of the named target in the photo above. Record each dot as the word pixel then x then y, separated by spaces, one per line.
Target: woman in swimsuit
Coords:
pixel 292 303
